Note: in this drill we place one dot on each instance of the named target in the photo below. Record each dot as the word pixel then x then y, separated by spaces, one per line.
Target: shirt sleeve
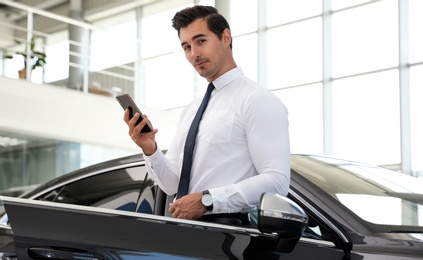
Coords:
pixel 158 163
pixel 163 168
pixel 266 129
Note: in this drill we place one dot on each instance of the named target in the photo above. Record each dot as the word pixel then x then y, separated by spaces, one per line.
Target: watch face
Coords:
pixel 207 200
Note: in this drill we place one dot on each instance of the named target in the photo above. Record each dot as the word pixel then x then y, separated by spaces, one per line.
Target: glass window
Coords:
pixel 416 108
pixel 365 38
pixel 12 66
pixel 91 154
pixel 169 81
pixel 168 77
pixel 158 34
pixel 280 12
pixel 1 63
pixel 339 4
pixel 245 54
pixel 113 190
pixel 294 54
pixel 366 118
pixel 416 29
pixel 57 51
pixel 375 194
pixel 305 115
pixel 113 47
pixel 206 2
pixel 245 21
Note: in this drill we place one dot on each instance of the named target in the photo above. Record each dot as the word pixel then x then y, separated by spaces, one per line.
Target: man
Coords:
pixel 242 146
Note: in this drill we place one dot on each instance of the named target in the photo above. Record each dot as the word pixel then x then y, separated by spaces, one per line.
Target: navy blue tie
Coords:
pixel 189 145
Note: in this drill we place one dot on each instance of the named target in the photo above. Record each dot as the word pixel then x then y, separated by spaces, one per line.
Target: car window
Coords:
pixel 374 194
pixel 317 231
pixel 119 189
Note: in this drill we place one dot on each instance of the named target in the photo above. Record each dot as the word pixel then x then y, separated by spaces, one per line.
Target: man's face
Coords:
pixel 204 50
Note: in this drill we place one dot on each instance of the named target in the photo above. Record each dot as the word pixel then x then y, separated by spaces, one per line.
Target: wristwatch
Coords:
pixel 207 200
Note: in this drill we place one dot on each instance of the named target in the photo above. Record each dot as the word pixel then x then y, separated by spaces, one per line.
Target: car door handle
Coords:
pixel 62 253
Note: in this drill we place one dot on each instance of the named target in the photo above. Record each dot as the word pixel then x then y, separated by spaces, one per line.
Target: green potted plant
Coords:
pixel 38 58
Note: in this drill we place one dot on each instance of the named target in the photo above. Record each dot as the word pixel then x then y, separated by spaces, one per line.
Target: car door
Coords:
pixel 51 230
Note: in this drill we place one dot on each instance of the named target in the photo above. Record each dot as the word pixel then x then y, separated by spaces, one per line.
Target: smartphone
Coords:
pixel 126 102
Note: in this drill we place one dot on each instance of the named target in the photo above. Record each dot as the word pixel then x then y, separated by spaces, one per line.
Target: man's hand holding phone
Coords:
pixel 140 128
pixel 147 140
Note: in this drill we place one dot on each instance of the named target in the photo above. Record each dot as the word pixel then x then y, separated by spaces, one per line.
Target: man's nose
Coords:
pixel 194 53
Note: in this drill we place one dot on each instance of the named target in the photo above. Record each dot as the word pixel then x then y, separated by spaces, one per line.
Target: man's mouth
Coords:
pixel 199 63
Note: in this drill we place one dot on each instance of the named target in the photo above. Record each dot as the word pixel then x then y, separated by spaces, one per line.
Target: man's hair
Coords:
pixel 216 23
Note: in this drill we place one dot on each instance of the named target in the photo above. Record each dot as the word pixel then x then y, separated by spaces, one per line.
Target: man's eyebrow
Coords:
pixel 193 38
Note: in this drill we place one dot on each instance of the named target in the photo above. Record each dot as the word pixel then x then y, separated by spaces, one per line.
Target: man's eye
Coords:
pixel 186 48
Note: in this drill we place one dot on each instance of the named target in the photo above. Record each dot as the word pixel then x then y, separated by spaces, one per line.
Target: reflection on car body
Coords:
pixel 345 203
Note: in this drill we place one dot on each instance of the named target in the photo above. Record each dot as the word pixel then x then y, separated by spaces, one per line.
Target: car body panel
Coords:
pixel 61 229
pixel 113 210
pixel 113 234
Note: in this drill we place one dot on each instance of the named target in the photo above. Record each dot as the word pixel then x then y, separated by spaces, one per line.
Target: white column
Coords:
pixel 327 81
pixel 77 45
pixel 404 77
pixel 224 7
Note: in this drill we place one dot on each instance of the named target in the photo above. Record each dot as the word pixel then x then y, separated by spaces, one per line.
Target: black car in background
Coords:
pixel 113 210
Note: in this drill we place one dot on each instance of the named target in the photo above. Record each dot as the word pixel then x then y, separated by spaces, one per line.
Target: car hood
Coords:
pixel 396 244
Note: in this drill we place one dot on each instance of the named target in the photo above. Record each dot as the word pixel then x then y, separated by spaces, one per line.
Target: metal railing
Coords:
pixel 23 28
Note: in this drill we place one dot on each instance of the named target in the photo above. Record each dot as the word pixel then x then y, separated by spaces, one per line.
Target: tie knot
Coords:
pixel 210 87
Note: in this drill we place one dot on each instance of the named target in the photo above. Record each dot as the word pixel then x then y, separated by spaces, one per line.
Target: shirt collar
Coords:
pixel 227 78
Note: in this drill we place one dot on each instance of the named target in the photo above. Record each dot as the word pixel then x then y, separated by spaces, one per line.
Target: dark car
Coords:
pixel 113 210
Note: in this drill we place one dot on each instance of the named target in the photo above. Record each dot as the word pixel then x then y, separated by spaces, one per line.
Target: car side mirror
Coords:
pixel 278 214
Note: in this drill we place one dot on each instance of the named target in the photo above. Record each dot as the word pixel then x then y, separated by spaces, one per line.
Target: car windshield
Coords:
pixel 375 194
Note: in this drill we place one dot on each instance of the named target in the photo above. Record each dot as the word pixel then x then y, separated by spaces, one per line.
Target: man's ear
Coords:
pixel 227 37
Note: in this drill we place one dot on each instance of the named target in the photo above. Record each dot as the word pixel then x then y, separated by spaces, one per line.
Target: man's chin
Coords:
pixel 203 73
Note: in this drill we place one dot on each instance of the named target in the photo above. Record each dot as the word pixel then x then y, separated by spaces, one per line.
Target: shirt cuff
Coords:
pixel 220 200
pixel 155 157
pixel 222 197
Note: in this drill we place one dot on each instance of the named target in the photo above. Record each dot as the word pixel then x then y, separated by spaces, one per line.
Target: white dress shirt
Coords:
pixel 242 146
